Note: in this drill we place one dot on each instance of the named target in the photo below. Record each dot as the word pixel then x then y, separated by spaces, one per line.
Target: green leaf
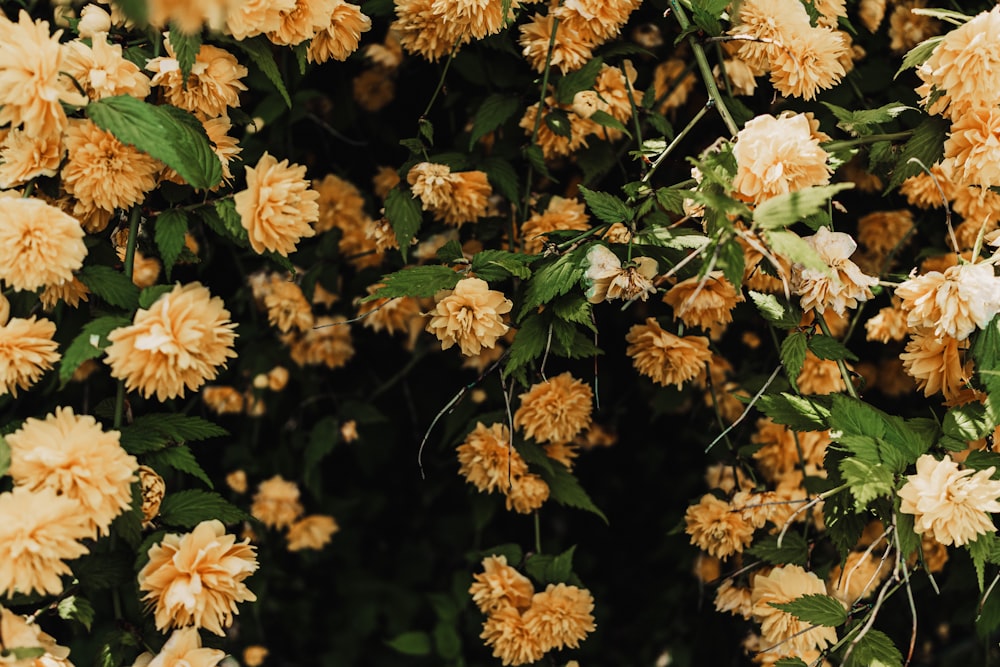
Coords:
pixel 800 413
pixel 793 353
pixel 136 10
pixel 225 221
pixel 554 279
pixel 865 121
pixel 925 146
pixel 502 177
pixel 983 551
pixel 171 227
pixel 815 609
pixel 186 47
pixel 4 457
pixel 77 609
pixel 916 56
pixel 149 296
pixel 128 524
pixel 983 460
pixel 733 260
pixel 988 619
pixel 604 119
pixel 867 481
pixel 547 569
pixel 536 157
pixel 672 199
pixel 178 457
pixel 402 210
pixel 582 79
pixel 418 281
pixel 25 653
pixel 843 524
pixel 826 347
pixel 793 549
pixel 411 643
pixel 447 641
pixel 874 650
pixel 787 209
pixel 322 439
pixel 664 237
pixel 112 286
pixel 88 344
pixel 574 308
pixel 529 344
pixel 189 508
pixel 966 423
pixel 171 135
pixel 491 265
pixel 558 121
pixel 797 250
pixel 791 662
pixel 153 432
pixel 450 252
pixel 492 113
pixel 606 207
pixel 777 311
pixel 426 129
pixel 565 489
pixel 100 571
pixel 261 53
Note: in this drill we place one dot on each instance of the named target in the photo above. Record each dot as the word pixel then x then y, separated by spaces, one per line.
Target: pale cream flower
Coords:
pixel 93 19
pixel 734 599
pixel 966 67
pixel 607 279
pixel 471 316
pixel 40 531
pixel 954 303
pixel 179 342
pixel 556 409
pixel 839 288
pixel 776 156
pixel 183 649
pixel 716 529
pixel 39 244
pixel 102 70
pixel 340 36
pixel 784 584
pixel 75 457
pixel 951 504
pixel 276 503
pixel 103 172
pixel 561 616
pixel 26 352
pixel 311 532
pixel 666 358
pixel 500 586
pixel 213 85
pixel 561 213
pixel 197 578
pixel 278 207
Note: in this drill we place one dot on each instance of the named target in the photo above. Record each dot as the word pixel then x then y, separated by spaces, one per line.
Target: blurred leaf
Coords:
pixel 77 609
pixel 88 344
pixel 565 489
pixel 447 641
pixel 672 199
pixel 796 249
pixel 171 135
pixel 793 549
pixel 791 207
pixel 815 609
pixel 502 177
pixel 582 79
pixel 189 508
pixel 171 228
pixel 260 50
pixel 4 457
pixel 493 112
pixel 778 312
pixel 112 286
pixel 411 643
pixel 865 121
pixel 790 662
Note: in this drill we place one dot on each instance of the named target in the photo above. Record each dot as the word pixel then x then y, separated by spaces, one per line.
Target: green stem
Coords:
pixel 538 116
pixel 673 144
pixel 706 70
pixel 844 373
pixel 538 532
pixel 133 232
pixel 834 146
pixel 440 83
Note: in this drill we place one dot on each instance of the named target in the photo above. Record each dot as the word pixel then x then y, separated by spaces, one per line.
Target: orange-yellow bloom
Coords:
pixel 555 410
pixel 470 316
pixel 39 244
pixel 278 207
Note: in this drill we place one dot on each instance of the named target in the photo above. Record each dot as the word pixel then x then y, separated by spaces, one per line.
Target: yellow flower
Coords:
pixel 237 481
pixel 255 655
pixel 24 156
pixel 39 244
pixel 500 586
pixel 179 342
pixel 820 376
pixel 810 60
pixel 189 15
pixel 560 616
pixel 340 34
pixel 305 19
pixel 952 505
pixel 672 83
pixel 400 314
pixel 705 302
pixel 555 410
pixel 966 67
pixel 213 85
pixel 840 287
pixel 26 352
pixel 71 292
pixel 276 503
pixel 487 459
pixel 32 85
pixel 102 70
pixel 954 303
pixel 469 316
pixel 250 18
pixel 453 197
pixel 784 584
pixel 666 358
pixel 526 493
pixel 328 342
pixel 778 155
pixel 197 578
pixel 715 528
pixel 733 599
pixel 555 145
pixel 572 48
pixel 40 530
pixel 764 26
pixel 512 641
pixel 287 307
pixel 74 456
pixel 311 532
pixel 420 30
pixel 340 204
pixel 973 147
pixel 183 648
pixel 883 231
pixel 907 29
pixel 103 172
pixel 859 578
pixel 278 207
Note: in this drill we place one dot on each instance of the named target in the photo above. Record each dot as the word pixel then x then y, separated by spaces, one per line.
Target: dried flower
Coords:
pixel 26 352
pixel 278 207
pixel 40 530
pixel 776 156
pixel 311 532
pixel 555 410
pixel 666 358
pixel 715 528
pixel 560 616
pixel 500 586
pixel 39 244
pixel 179 342
pixel 153 489
pixel 74 456
pixel 840 287
pixel 183 648
pixel 469 315
pixel 950 504
pixel 276 503
pixel 607 279
pixel 197 578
